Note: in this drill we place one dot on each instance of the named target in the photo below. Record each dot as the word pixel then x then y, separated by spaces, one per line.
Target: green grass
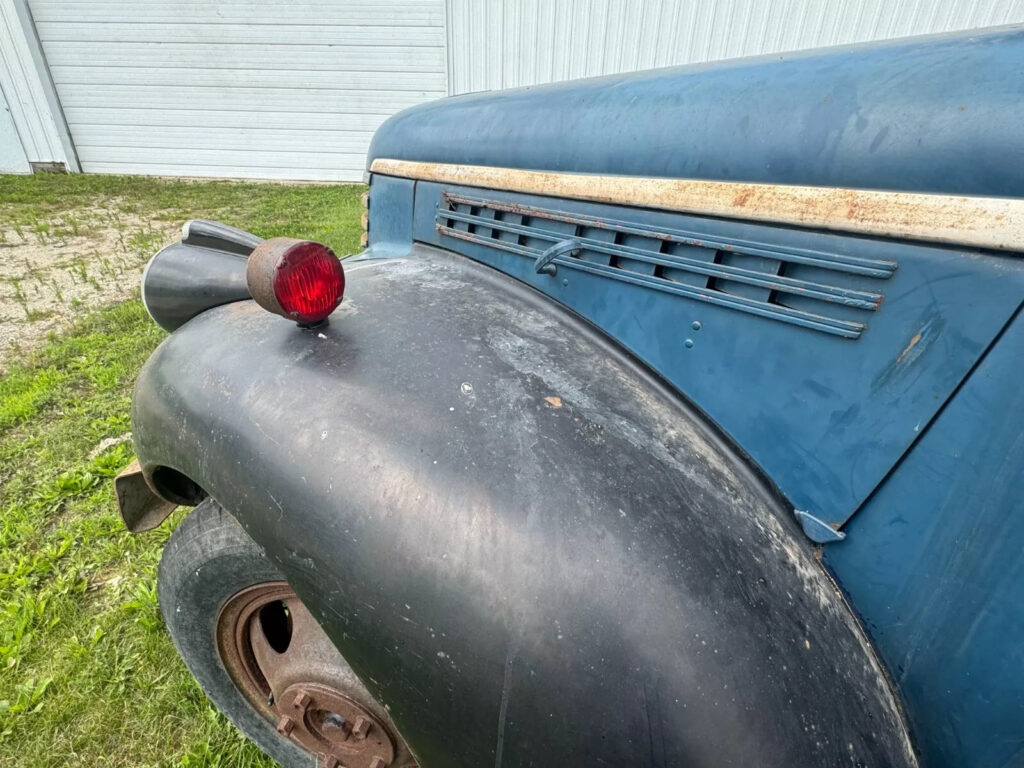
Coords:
pixel 54 205
pixel 88 675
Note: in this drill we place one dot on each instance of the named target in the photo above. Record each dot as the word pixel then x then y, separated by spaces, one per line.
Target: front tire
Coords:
pixel 209 559
pixel 261 657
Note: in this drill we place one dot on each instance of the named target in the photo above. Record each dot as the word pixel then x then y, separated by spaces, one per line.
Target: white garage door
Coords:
pixel 238 88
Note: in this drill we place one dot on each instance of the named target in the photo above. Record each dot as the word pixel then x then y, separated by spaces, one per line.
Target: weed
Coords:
pixel 42 229
pixel 19 294
pixel 35 315
pixel 144 243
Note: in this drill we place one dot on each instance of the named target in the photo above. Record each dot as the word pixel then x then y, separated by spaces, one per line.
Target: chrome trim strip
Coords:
pixel 983 222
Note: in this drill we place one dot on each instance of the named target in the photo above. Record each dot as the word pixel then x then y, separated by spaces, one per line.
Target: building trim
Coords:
pixel 35 46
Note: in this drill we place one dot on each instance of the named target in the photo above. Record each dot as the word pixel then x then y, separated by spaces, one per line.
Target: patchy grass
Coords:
pixel 88 675
pixel 53 205
pixel 74 241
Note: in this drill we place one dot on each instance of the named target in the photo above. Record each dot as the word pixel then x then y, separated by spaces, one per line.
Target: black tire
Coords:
pixel 209 559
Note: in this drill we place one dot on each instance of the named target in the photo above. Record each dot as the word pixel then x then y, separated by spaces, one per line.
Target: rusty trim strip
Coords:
pixel 983 222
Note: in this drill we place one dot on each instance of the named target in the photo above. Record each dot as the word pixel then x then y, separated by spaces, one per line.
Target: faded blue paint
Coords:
pixel 934 564
pixel 918 423
pixel 390 207
pixel 817 530
pixel 824 417
pixel 938 116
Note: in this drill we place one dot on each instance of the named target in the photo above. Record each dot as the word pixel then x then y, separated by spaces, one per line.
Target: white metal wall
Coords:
pixel 238 88
pixel 294 90
pixel 12 154
pixel 25 91
pixel 507 43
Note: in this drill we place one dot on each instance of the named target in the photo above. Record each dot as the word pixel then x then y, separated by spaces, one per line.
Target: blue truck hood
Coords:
pixel 939 115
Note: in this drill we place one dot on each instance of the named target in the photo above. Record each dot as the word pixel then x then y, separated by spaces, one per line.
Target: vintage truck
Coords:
pixel 669 419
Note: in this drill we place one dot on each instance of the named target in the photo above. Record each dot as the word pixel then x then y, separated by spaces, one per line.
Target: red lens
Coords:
pixel 309 282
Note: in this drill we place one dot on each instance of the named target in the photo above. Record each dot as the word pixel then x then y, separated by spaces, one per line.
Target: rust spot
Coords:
pixel 906 350
pixel 930 329
pixel 742 197
pixel 554 402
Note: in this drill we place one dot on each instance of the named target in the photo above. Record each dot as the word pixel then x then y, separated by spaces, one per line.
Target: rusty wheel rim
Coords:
pixel 288 670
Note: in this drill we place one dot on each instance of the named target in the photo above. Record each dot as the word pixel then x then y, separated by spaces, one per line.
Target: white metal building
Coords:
pixel 294 90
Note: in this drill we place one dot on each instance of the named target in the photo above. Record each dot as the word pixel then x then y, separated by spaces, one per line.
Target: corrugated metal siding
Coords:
pixel 508 43
pixel 238 88
pixel 25 92
pixel 243 88
pixel 12 153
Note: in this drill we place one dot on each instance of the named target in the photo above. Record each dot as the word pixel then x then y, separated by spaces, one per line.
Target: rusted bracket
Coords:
pixel 817 530
pixel 141 509
pixel 544 265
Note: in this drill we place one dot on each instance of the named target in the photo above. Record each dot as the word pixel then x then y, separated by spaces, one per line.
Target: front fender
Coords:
pixel 528 548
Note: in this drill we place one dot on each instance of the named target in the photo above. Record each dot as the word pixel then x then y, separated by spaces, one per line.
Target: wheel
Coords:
pixel 261 657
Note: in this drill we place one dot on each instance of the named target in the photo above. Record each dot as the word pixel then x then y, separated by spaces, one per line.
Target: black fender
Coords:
pixel 529 548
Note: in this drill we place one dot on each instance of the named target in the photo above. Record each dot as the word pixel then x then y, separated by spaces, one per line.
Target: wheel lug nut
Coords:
pixel 378 762
pixel 301 701
pixel 361 729
pixel 285 725
pixel 330 761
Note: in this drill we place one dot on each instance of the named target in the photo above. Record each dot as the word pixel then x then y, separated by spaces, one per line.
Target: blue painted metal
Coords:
pixel 938 115
pixel 706 265
pixel 817 530
pixel 934 564
pixel 390 220
pixel 824 418
pixel 847 329
pixel 834 261
pixel 917 424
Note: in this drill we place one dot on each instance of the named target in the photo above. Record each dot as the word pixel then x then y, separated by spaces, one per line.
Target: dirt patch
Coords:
pixel 58 268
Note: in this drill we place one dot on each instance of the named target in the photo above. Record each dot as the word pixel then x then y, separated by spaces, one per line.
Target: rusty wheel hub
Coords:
pixel 326 721
pixel 291 673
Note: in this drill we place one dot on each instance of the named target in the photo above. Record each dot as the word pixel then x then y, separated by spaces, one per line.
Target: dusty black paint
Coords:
pixel 590 579
pixel 204 270
pixel 183 280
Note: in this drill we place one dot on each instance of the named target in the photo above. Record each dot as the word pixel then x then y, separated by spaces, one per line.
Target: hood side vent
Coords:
pixel 809 288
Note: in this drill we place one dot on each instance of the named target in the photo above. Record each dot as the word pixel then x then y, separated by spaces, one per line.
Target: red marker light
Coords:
pixel 297 279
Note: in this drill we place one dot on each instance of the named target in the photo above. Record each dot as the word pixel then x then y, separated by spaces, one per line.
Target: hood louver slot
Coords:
pixel 751 277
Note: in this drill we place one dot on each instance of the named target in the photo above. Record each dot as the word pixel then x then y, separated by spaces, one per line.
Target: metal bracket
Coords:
pixel 817 530
pixel 543 264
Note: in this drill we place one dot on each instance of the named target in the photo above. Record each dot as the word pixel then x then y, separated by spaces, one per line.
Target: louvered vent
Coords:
pixel 822 291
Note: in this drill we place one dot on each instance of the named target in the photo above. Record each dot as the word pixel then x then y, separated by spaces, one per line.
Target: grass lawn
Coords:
pixel 88 676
